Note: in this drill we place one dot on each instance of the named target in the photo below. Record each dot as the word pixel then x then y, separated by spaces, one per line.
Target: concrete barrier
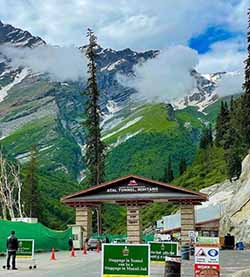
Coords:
pixel 243 273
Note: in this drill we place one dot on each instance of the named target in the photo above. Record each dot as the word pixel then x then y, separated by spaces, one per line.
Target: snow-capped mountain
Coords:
pixel 18 37
pixel 36 109
pixel 109 63
pixel 203 93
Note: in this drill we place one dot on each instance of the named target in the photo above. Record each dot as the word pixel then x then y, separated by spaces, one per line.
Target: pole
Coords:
pixel 99 220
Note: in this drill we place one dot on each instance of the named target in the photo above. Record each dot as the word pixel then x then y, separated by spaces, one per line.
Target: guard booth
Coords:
pixel 133 192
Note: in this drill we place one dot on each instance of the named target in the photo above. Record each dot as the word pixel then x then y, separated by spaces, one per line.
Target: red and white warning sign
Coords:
pixel 206 255
pixel 207 260
pixel 207 270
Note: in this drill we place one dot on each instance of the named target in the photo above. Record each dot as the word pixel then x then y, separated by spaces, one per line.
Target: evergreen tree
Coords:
pixel 30 192
pixel 206 138
pixel 182 166
pixel 222 124
pixel 233 164
pixel 232 105
pixel 169 174
pixel 245 99
pixel 94 146
pixel 210 135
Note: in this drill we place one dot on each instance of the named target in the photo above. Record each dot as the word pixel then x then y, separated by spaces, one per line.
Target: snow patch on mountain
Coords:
pixel 204 92
pixel 128 124
pixel 112 107
pixel 18 79
pixel 112 66
pixel 126 137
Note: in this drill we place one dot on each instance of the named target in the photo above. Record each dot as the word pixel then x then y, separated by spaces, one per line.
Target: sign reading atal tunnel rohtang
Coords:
pixel 126 260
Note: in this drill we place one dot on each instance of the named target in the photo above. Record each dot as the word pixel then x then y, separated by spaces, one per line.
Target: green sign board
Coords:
pixel 126 260
pixel 208 240
pixel 25 249
pixel 159 251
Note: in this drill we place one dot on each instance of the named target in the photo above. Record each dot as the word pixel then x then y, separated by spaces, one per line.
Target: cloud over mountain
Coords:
pixel 61 63
pixel 165 77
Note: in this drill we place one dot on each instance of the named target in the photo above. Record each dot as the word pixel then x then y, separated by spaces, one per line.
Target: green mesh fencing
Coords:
pixel 145 238
pixel 45 238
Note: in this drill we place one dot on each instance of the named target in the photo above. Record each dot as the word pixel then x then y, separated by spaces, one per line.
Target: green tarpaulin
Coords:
pixel 45 238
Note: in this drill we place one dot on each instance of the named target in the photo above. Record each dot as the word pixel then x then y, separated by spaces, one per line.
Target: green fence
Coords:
pixel 145 238
pixel 45 238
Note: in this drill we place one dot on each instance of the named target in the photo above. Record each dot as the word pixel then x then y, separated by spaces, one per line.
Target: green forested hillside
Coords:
pixel 208 168
pixel 140 144
pixel 51 188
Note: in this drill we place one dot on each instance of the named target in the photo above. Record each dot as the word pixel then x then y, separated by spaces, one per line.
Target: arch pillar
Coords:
pixel 133 223
pixel 84 219
pixel 187 222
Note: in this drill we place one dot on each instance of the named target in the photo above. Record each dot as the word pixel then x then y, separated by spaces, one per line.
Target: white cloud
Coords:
pixel 123 23
pixel 165 77
pixel 227 55
pixel 62 63
pixel 230 84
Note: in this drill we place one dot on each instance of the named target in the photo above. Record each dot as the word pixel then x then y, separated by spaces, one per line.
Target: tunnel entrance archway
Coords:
pixel 134 192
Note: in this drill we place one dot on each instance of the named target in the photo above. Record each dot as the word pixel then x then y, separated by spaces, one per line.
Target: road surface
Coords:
pixel 90 265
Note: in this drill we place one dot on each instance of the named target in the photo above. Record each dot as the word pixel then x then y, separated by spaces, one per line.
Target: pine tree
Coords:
pixel 206 138
pixel 94 146
pixel 222 124
pixel 210 135
pixel 169 174
pixel 233 164
pixel 182 166
pixel 30 193
pixel 232 103
pixel 245 99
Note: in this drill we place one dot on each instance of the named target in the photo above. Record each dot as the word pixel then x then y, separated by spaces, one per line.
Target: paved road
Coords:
pixel 90 265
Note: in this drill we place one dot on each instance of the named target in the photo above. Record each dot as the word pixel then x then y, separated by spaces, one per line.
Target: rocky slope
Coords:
pixel 234 198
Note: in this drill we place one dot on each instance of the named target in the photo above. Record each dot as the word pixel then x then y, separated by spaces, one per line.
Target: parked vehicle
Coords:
pixel 119 241
pixel 92 244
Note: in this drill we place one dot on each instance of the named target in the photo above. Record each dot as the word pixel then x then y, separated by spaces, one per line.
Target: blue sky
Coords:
pixel 211 35
pixel 214 28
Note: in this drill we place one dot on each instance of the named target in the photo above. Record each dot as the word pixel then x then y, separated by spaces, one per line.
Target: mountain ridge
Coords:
pixel 26 97
pixel 34 109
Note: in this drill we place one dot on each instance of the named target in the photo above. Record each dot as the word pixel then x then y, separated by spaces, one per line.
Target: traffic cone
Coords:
pixel 84 252
pixel 72 254
pixel 53 255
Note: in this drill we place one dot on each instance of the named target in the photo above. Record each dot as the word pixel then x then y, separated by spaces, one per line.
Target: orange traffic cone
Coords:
pixel 72 254
pixel 84 252
pixel 53 255
pixel 98 248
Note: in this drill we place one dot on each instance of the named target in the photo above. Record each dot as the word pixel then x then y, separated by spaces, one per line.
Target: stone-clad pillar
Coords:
pixel 133 224
pixel 187 222
pixel 84 219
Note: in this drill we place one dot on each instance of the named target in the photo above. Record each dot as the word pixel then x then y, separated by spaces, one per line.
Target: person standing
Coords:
pixel 70 243
pixel 12 246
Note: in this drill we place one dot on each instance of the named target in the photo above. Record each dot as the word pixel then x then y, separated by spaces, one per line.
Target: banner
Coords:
pixel 126 260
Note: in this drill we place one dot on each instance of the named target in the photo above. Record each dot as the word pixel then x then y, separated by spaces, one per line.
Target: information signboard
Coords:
pixel 207 260
pixel 126 260
pixel 25 249
pixel 159 251
pixel 209 240
pixel 206 255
